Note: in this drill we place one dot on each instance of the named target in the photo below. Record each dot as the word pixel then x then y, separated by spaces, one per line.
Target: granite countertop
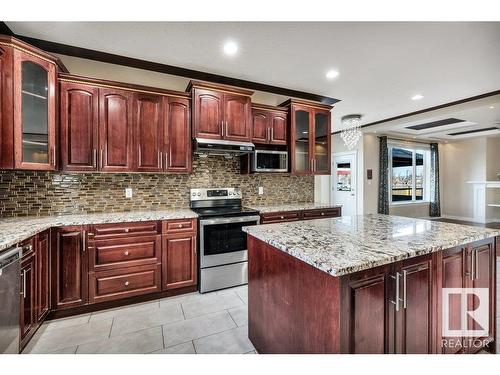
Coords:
pixel 339 246
pixel 14 230
pixel 292 207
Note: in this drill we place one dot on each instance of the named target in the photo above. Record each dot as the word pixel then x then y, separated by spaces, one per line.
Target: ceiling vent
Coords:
pixel 434 124
pixel 474 131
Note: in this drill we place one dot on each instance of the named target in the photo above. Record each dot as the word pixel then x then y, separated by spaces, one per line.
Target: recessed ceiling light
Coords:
pixel 331 74
pixel 492 106
pixel 230 48
pixel 417 97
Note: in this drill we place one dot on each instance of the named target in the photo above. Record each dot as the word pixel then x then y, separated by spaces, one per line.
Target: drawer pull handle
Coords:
pixel 127 230
pixel 282 217
pixel 322 214
pixel 126 253
pixel 127 283
pixel 180 225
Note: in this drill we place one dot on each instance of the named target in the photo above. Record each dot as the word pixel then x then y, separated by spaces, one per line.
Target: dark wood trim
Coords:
pixel 63 313
pixel 265 107
pixel 5 30
pixel 430 109
pixel 307 103
pixel 110 58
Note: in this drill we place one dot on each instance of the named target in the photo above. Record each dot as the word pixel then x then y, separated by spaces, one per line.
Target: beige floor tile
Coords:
pixel 187 330
pixel 234 341
pixel 139 320
pixel 106 314
pixel 70 350
pixel 185 348
pixel 211 303
pixel 239 315
pixel 140 342
pixel 242 292
pixel 61 338
pixel 65 322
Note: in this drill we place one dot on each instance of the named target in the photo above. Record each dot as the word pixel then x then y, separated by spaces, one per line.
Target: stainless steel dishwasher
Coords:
pixel 10 269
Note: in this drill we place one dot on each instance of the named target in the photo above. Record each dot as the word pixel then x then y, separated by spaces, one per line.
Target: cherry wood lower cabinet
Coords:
pixel 69 271
pixel 34 279
pixel 285 216
pixel 179 255
pixel 396 308
pixel 179 261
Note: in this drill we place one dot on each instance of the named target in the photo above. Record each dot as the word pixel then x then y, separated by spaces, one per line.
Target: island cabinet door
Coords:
pixel 365 312
pixel 482 278
pixel 413 310
pixel 452 272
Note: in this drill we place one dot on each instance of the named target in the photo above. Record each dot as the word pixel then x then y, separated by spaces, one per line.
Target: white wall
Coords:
pixel 370 161
pixel 461 162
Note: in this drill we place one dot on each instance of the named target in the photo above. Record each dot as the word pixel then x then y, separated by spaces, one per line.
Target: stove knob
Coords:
pixel 194 194
pixel 198 194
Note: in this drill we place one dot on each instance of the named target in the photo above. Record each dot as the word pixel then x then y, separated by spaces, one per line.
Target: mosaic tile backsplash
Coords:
pixel 47 193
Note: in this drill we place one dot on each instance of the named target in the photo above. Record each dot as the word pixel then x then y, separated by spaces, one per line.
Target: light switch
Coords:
pixel 128 193
pixel 261 190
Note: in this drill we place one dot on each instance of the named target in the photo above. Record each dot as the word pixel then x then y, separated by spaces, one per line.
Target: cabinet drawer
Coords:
pixel 123 283
pixel 105 231
pixel 124 252
pixel 278 217
pixel 179 226
pixel 320 213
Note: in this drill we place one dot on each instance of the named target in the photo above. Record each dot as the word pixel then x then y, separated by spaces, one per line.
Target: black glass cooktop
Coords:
pixel 225 211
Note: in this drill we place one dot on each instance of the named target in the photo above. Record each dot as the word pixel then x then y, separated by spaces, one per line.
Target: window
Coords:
pixel 408 174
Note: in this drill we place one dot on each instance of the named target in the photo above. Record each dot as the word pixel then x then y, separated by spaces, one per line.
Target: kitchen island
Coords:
pixel 367 284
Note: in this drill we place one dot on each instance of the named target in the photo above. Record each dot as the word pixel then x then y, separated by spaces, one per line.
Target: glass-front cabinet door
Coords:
pixel 321 157
pixel 301 162
pixel 34 112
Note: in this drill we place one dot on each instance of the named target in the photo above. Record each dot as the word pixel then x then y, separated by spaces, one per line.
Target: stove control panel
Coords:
pixel 214 194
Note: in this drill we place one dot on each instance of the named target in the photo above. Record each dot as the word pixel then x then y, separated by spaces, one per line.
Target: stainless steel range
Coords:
pixel 222 243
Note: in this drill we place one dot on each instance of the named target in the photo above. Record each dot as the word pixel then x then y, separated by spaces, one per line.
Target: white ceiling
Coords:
pixel 381 64
pixel 478 114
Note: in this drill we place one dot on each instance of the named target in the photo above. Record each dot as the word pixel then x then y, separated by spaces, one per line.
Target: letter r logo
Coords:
pixel 465 312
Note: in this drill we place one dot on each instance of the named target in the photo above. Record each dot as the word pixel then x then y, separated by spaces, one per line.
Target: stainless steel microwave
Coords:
pixel 269 161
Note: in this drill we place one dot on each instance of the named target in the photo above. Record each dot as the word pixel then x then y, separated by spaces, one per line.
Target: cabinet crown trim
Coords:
pixel 215 86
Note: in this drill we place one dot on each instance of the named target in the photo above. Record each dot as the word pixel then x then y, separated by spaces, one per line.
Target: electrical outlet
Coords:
pixel 261 190
pixel 128 193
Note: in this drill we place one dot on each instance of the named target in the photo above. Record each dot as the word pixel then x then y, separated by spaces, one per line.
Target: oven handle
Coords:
pixel 228 220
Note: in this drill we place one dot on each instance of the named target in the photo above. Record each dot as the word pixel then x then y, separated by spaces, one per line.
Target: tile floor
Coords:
pixel 192 323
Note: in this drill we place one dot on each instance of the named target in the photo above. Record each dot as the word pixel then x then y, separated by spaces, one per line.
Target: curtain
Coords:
pixel 435 204
pixel 383 187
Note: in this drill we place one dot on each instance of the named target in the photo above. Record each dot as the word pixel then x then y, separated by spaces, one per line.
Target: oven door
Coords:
pixel 222 241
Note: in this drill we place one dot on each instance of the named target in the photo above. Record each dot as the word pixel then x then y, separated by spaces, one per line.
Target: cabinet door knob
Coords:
pixel 126 253
pixel 180 225
pixel 282 217
pixel 127 283
pixel 127 230
pixel 322 214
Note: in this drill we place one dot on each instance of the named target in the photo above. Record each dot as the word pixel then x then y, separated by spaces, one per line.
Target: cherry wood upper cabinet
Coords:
pixel 28 109
pixel 148 126
pixel 208 117
pixel 310 137
pixel 269 125
pixel 79 111
pixel 178 156
pixel 69 267
pixel 237 112
pixel 221 112
pixel 115 130
pixel 34 112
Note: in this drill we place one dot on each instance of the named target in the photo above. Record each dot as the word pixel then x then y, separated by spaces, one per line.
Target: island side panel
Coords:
pixel 292 306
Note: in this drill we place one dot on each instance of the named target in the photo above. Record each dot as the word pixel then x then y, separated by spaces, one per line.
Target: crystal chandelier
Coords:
pixel 352 130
